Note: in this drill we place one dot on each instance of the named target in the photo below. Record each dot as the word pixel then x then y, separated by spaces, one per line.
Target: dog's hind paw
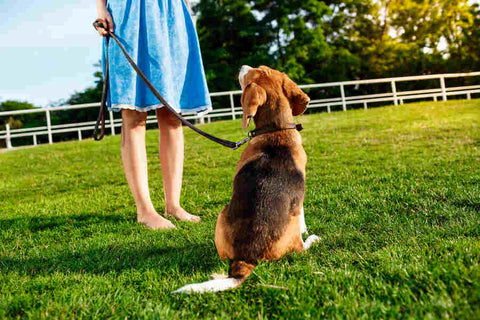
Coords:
pixel 310 241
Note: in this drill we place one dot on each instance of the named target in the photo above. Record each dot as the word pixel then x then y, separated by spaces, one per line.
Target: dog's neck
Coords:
pixel 279 116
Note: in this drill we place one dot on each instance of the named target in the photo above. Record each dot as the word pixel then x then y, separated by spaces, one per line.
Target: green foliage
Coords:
pixel 19 121
pixel 393 193
pixel 89 95
pixel 322 41
pixel 230 36
pixel 465 55
pixel 11 105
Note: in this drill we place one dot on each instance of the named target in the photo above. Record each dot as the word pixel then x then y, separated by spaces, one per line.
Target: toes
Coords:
pixel 195 218
pixel 157 223
pixel 163 226
pixel 181 214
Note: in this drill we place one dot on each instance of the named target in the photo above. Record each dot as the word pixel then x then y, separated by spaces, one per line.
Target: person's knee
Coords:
pixel 167 119
pixel 134 119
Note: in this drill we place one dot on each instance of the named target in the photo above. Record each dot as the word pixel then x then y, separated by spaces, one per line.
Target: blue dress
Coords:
pixel 160 37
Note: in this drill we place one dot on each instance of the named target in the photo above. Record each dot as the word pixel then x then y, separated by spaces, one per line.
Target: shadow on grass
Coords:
pixel 102 259
pixel 116 259
pixel 35 224
pixel 468 204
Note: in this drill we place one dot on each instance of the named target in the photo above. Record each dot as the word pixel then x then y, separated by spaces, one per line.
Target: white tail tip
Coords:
pixel 210 286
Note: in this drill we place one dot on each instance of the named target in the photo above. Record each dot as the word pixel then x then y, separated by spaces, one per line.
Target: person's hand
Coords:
pixel 104 18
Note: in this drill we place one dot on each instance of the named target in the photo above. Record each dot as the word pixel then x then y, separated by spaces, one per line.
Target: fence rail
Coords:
pixel 392 96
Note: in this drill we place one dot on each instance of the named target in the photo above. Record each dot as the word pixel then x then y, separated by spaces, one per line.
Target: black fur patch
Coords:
pixel 265 191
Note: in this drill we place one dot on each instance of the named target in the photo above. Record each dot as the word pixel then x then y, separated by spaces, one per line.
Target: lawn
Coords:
pixel 393 192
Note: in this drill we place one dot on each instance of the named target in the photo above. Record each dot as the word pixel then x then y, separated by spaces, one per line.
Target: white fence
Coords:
pixel 393 95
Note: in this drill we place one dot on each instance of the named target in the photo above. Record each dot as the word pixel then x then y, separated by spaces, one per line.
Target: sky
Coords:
pixel 47 49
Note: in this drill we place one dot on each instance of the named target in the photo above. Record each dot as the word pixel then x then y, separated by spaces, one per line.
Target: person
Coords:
pixel 161 38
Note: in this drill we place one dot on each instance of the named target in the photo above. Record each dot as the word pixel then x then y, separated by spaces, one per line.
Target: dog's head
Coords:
pixel 266 88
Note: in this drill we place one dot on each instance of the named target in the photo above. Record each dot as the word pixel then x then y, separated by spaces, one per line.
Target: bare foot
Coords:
pixel 180 214
pixel 154 221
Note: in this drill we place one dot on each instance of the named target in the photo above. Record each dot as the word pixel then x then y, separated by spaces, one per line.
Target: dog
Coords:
pixel 265 218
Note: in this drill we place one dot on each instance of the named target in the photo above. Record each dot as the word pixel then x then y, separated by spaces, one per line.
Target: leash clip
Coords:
pixel 241 143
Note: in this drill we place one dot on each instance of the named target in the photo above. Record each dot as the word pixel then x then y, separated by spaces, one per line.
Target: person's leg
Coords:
pixel 171 160
pixel 134 157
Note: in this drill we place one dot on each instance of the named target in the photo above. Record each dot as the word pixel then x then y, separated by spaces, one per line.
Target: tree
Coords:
pixel 89 95
pixel 464 54
pixel 19 121
pixel 230 36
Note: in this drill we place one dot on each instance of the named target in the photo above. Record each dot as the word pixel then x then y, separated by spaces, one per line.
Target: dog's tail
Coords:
pixel 239 271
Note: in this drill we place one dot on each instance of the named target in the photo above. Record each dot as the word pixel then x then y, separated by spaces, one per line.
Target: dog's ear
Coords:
pixel 253 96
pixel 298 99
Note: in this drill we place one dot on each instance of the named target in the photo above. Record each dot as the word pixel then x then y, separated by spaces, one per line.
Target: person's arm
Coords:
pixel 187 2
pixel 104 17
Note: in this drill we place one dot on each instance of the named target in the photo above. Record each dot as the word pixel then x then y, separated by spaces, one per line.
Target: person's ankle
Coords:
pixel 172 209
pixel 146 211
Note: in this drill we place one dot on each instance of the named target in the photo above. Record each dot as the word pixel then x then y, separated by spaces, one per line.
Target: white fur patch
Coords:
pixel 243 72
pixel 310 241
pixel 303 225
pixel 210 286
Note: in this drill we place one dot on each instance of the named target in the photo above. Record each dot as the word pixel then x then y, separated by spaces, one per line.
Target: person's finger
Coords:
pixel 102 31
pixel 110 23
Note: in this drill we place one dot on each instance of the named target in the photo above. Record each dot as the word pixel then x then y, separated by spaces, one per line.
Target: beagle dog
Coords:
pixel 264 219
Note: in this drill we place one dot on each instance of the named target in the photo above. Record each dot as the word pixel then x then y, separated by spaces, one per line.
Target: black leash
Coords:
pixel 103 105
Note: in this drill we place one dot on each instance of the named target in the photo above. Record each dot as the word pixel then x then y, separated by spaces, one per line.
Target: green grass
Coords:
pixel 394 193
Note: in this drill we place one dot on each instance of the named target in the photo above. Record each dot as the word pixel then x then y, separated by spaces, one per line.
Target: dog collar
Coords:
pixel 274 128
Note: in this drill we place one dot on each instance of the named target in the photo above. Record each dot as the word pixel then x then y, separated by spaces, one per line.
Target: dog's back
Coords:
pixel 266 191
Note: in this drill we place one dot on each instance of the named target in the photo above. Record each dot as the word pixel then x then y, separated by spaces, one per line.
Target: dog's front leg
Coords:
pixel 303 225
pixel 303 229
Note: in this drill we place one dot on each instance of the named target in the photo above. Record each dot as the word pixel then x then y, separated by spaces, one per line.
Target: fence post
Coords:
pixel 79 135
pixel 112 124
pixel 7 138
pixel 394 91
pixel 328 108
pixel 232 106
pixel 469 96
pixel 342 92
pixel 444 90
pixel 365 106
pixel 49 126
pixel 34 139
